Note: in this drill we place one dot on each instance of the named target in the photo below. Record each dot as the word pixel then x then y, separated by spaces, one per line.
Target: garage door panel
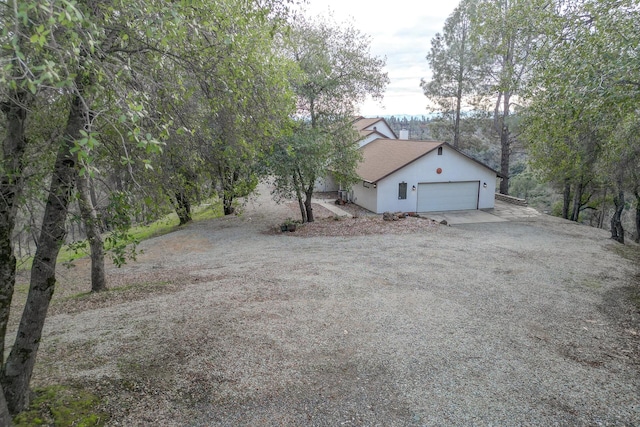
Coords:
pixel 448 196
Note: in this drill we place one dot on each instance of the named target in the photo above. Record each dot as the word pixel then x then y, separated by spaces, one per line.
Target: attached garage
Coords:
pixel 448 196
pixel 421 176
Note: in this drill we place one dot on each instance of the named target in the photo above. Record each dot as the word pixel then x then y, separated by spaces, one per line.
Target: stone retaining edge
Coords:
pixel 511 199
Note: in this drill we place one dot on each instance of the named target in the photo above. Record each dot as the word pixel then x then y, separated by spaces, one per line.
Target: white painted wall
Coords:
pixel 368 139
pixel 455 167
pixel 365 197
pixel 328 183
pixel 383 128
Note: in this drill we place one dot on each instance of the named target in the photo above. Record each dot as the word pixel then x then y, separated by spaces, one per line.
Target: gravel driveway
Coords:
pixel 514 323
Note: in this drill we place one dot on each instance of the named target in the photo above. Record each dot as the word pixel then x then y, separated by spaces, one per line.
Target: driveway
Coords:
pixel 228 323
pixel 502 212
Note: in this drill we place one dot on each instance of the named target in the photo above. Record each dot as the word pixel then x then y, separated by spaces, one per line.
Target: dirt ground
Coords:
pixel 357 322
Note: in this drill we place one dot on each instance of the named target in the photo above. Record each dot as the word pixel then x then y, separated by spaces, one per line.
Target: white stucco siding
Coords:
pixel 382 128
pixel 368 139
pixel 455 167
pixel 365 196
pixel 328 183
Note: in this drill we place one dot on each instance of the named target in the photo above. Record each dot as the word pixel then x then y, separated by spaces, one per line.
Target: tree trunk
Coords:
pixel 617 232
pixel 183 207
pixel 227 204
pixel 603 210
pixel 92 230
pixel 298 185
pixel 459 94
pixel 577 202
pixel 94 202
pixel 308 194
pixel 637 194
pixel 13 148
pixel 505 145
pixel 566 199
pixel 5 416
pixel 21 360
pixel 229 192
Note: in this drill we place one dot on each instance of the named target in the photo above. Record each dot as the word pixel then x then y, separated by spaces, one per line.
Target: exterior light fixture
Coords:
pixel 484 185
pixel 413 188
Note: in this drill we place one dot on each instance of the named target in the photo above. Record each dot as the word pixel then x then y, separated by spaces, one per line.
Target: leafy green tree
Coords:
pixel 238 98
pixel 582 102
pixel 336 72
pixel 504 35
pixel 307 153
pixel 94 58
pixel 455 67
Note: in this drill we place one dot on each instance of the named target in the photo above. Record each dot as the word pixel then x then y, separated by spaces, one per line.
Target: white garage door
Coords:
pixel 448 196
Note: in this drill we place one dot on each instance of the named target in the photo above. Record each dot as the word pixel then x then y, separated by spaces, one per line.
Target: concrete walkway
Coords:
pixel 333 208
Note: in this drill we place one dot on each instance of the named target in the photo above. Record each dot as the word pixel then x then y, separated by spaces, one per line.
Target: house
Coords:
pixel 405 175
pixel 371 129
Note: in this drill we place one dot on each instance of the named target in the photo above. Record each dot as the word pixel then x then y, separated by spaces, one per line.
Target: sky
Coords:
pixel 401 31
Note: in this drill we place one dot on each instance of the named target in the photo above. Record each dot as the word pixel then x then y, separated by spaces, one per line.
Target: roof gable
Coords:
pixel 376 124
pixel 382 157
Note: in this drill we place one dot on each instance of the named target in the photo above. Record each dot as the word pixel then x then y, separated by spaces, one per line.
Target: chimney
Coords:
pixel 404 134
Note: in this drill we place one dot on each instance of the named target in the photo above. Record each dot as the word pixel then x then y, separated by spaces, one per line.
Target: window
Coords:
pixel 402 191
pixel 439 151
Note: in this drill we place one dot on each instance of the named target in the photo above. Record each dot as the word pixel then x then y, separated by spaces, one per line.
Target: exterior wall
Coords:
pixel 383 128
pixel 368 139
pixel 455 167
pixel 365 197
pixel 328 183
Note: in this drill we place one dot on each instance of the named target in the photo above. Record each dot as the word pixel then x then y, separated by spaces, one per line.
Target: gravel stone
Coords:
pixel 528 322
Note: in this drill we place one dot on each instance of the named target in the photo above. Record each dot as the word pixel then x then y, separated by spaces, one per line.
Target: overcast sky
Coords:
pixel 401 30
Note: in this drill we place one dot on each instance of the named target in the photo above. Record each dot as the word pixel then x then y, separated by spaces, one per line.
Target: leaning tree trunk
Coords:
pixel 13 148
pixel 92 229
pixel 21 360
pixel 617 232
pixel 5 416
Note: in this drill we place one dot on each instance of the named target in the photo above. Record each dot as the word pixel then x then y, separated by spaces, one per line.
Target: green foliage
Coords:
pixel 334 73
pixel 455 67
pixel 62 406
pixel 581 119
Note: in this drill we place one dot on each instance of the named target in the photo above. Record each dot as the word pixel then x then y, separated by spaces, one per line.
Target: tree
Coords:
pixel 237 99
pixel 581 116
pixel 92 57
pixel 307 153
pixel 29 62
pixel 335 73
pixel 455 67
pixel 504 35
